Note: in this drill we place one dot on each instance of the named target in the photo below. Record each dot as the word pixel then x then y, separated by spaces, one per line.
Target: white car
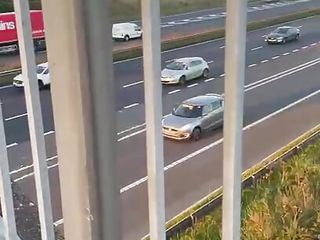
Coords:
pixel 126 31
pixel 43 76
pixel 184 69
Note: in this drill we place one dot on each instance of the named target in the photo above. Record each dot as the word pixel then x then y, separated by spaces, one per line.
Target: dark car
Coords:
pixel 283 35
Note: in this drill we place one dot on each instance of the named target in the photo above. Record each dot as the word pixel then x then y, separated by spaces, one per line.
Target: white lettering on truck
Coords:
pixel 7 26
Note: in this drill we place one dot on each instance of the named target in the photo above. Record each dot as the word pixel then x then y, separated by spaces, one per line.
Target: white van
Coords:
pixel 126 31
pixel 43 76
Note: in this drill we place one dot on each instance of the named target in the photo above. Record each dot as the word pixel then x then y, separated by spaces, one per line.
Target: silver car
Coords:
pixel 283 35
pixel 194 116
pixel 184 69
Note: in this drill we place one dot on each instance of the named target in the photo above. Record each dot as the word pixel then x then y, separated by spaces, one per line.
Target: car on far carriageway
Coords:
pixel 184 69
pixel 126 31
pixel 43 77
pixel 283 35
pixel 194 116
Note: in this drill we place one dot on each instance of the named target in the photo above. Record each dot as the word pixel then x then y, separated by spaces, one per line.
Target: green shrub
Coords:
pixel 283 205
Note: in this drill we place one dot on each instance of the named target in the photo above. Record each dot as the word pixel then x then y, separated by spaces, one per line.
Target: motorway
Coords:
pixel 196 22
pixel 282 100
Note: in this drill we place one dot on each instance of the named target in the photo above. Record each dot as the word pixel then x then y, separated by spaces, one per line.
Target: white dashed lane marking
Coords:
pixel 132 84
pixel 193 85
pixel 256 48
pixel 209 80
pixel 174 91
pixel 131 105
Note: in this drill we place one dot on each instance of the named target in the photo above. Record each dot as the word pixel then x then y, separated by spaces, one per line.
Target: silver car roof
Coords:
pixel 288 27
pixel 43 64
pixel 188 59
pixel 202 100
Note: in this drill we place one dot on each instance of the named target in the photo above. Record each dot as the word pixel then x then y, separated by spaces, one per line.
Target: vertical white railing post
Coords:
pixel 5 187
pixel 78 36
pixel 233 117
pixel 153 111
pixel 32 97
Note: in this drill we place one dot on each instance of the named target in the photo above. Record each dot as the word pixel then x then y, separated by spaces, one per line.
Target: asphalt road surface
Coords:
pixel 195 22
pixel 282 100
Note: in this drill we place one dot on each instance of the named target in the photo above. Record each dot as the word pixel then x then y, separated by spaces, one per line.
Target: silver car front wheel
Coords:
pixel 182 80
pixel 196 134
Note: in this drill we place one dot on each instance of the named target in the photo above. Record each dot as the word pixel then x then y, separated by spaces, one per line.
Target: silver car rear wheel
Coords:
pixel 205 73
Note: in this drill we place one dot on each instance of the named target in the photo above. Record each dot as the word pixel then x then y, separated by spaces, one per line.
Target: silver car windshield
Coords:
pixel 188 111
pixel 176 66
pixel 40 69
pixel 281 31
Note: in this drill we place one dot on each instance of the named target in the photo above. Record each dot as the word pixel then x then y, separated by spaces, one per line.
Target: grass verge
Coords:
pixel 214 34
pixel 268 163
pixel 127 10
pixel 284 204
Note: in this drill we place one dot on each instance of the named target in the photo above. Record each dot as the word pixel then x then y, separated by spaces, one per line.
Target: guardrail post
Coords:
pixel 78 35
pixel 5 187
pixel 34 117
pixel 233 118
pixel 153 111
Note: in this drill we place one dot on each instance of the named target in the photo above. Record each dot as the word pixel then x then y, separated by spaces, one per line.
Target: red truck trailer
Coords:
pixel 8 31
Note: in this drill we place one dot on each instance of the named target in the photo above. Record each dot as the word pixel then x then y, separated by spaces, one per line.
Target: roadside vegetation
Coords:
pixel 284 204
pixel 124 10
pixel 7 5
